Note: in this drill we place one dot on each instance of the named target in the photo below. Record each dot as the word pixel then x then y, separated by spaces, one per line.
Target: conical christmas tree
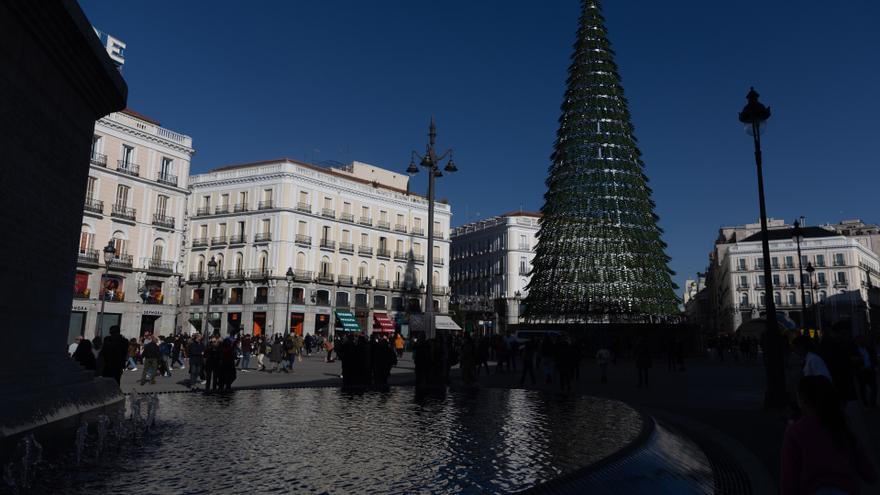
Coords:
pixel 599 254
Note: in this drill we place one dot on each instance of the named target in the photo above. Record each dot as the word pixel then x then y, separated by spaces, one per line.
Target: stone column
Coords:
pixel 56 81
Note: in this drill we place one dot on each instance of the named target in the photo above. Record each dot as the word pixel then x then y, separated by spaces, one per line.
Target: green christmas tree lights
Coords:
pixel 599 255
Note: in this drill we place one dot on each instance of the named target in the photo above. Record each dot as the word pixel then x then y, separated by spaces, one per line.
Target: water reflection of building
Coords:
pixel 491 261
pixel 353 235
pixel 136 198
pixel 842 289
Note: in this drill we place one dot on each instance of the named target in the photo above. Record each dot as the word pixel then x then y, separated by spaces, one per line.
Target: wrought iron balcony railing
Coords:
pixel 304 207
pixel 128 168
pixel 94 206
pixel 122 211
pixel 166 178
pixel 99 159
pixel 263 237
pixel 304 240
pixel 266 205
pixel 163 221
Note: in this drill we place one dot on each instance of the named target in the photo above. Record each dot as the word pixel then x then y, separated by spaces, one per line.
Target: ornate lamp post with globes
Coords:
pixel 212 271
pixel 109 256
pixel 289 277
pixel 431 161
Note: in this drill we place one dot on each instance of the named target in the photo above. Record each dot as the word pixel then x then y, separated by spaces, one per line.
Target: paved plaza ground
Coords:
pixel 716 403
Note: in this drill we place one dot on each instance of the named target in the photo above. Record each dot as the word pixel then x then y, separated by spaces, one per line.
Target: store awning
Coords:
pixel 348 321
pixel 383 322
pixel 443 322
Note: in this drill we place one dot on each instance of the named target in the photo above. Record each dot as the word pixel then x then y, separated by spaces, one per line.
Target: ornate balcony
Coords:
pixel 200 242
pixel 124 212
pixel 163 221
pixel 219 240
pixel 345 280
pixel 365 221
pixel 328 244
pixel 238 274
pixel 328 212
pixel 383 253
pixel 303 240
pixel 240 207
pixel 167 179
pixel 88 257
pixel 303 275
pixel 265 205
pixel 203 211
pixel 383 284
pixel 418 258
pixel 325 278
pixel 122 261
pixel 262 237
pixel 438 261
pixel 260 273
pixel 383 224
pixel 346 247
pixel 365 250
pixel 417 231
pixel 128 168
pixel 346 217
pixel 197 276
pixel 238 239
pixel 221 209
pixel 400 228
pixel 401 256
pixel 94 206
pixel 159 266
pixel 304 207
pixel 99 159
pixel 365 281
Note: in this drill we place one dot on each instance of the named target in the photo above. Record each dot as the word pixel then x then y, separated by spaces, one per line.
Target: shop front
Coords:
pixel 77 326
pixel 233 323
pixel 259 323
pixel 322 324
pixel 296 323
pixel 346 322
pixel 382 324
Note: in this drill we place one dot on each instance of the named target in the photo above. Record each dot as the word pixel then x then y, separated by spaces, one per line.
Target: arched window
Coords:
pixel 417 277
pixel 325 267
pixel 343 267
pixel 808 298
pixel 239 262
pixel 158 249
pixel 792 298
pixel 362 271
pixel 300 261
pixel 120 243
pixel 86 239
pixel 342 299
pixel 435 279
pixel 381 273
pixel 822 295
pixel 219 259
pixel 200 264
pixel 744 299
pixel 264 261
pixel 777 298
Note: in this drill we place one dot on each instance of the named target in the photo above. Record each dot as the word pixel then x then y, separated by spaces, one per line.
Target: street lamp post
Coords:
pixel 754 115
pixel 797 238
pixel 212 269
pixel 109 256
pixel 810 271
pixel 431 161
pixel 289 277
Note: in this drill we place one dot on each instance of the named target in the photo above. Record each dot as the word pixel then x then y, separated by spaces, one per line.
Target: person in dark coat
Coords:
pixel 227 365
pixel 214 357
pixel 84 355
pixel 114 353
pixel 643 361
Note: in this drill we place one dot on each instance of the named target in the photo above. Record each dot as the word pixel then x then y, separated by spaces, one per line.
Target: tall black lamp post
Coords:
pixel 289 277
pixel 431 161
pixel 810 271
pixel 754 115
pixel 797 239
pixel 212 271
pixel 109 256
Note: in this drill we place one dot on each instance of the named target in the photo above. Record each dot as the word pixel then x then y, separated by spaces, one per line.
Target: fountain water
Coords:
pixel 19 475
pixel 80 443
pixel 103 422
pixel 152 410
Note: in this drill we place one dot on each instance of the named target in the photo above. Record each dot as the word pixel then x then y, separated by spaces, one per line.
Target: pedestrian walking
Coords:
pixel 196 353
pixel 114 352
pixel 247 348
pixel 84 355
pixel 133 351
pixel 528 361
pixel 151 355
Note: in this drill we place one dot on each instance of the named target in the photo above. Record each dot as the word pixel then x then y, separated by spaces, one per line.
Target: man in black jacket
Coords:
pixel 115 354
pixel 150 353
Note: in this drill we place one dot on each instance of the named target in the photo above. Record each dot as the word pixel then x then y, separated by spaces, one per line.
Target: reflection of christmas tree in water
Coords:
pixel 599 250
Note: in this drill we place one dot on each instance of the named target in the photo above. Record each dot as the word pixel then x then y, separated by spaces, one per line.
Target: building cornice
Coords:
pixel 131 131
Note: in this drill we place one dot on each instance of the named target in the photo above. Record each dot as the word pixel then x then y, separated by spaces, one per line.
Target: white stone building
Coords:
pixel 846 270
pixel 354 237
pixel 136 197
pixel 491 265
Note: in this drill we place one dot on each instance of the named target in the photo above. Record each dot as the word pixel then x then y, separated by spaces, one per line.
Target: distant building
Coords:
pixel 135 198
pixel 490 269
pixel 354 237
pixel 842 286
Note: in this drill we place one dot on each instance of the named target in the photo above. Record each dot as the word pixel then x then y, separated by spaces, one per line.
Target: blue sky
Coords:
pixel 343 80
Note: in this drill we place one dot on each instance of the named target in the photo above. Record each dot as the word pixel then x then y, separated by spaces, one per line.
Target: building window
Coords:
pixel 206 201
pixel 820 278
pixel 760 281
pixel 90 188
pixel 789 261
pixel 776 279
pixel 808 298
pixel 122 196
pixel 804 260
pixel 86 240
pixel 792 299
pixel 127 155
pixel 777 298
pixel 820 260
pixel 759 264
pixel 741 263
pixel 158 250
pixel 744 299
pixel 266 225
pixel 838 259
pixel 774 262
pixel 841 277
pixel 96 145
pixel 789 279
pixel 822 296
pixel 161 205
pixel 166 167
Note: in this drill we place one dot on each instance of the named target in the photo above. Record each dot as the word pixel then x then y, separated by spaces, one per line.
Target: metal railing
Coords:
pixel 325 278
pixel 197 276
pixel 94 206
pixel 346 217
pixel 260 273
pixel 328 212
pixel 346 247
pixel 327 244
pixel 163 221
pixel 265 205
pixel 221 240
pixel 128 168
pixel 365 281
pixel 202 211
pixel 123 260
pixel 240 207
pixel 417 231
pixel 263 237
pixel 383 224
pixel 303 275
pixel 88 256
pixel 400 228
pixel 220 209
pixel 237 239
pixel 238 274
pixel 157 265
pixel 345 280
pixel 304 207
pixel 438 261
pixel 383 253
pixel 200 241
pixel 166 178
pixel 303 239
pixel 122 211
pixel 365 250
pixel 401 255
pixel 99 159
pixel 365 221
pixel 383 284
pixel 418 258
